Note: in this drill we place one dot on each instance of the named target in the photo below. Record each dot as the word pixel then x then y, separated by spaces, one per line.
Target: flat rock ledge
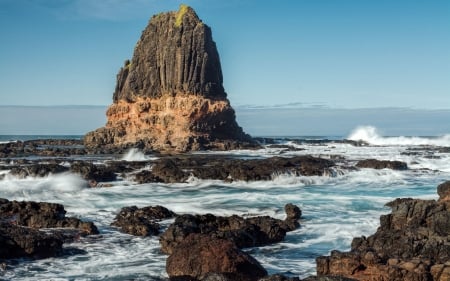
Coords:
pixel 382 164
pixel 411 244
pixel 179 169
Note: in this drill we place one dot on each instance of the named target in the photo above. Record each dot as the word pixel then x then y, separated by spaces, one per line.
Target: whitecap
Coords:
pixel 372 136
pixel 135 154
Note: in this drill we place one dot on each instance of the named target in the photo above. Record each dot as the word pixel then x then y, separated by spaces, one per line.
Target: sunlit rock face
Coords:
pixel 170 96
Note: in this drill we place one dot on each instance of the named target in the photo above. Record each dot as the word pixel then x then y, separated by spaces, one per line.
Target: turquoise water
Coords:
pixel 8 138
pixel 335 209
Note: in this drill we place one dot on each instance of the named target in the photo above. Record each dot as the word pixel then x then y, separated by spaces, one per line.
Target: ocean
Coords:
pixel 336 207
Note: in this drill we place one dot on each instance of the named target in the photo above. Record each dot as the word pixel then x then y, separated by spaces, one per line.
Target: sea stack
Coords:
pixel 170 96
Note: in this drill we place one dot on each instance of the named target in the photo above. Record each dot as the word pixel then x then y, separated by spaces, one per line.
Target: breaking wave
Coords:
pixel 372 136
pixel 135 154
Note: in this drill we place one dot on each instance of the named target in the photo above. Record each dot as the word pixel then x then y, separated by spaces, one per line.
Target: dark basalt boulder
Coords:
pixel 250 232
pixel 412 243
pixel 199 255
pixel 382 164
pixel 20 242
pixel 37 230
pixel 443 191
pixel 39 215
pixel 93 173
pixel 141 221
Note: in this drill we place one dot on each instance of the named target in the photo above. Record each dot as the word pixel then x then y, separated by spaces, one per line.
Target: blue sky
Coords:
pixel 333 53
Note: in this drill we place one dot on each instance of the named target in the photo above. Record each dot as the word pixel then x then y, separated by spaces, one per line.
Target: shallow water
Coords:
pixel 335 209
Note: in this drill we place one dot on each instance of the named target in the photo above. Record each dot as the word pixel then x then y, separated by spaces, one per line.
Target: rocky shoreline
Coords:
pixel 412 242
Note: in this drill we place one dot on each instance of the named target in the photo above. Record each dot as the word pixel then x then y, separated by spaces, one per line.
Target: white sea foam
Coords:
pixel 372 136
pixel 54 188
pixel 135 154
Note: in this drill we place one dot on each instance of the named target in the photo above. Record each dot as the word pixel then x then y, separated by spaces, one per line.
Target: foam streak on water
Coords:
pixel 335 208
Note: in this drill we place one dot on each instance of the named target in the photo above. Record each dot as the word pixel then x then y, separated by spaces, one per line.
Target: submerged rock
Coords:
pixel 412 243
pixel 170 96
pixel 199 255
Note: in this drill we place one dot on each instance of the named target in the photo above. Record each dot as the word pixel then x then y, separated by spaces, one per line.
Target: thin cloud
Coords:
pixel 109 10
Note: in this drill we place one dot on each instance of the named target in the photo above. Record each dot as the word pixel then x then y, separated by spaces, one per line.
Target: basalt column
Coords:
pixel 170 96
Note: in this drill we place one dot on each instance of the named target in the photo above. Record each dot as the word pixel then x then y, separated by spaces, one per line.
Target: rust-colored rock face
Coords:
pixel 170 97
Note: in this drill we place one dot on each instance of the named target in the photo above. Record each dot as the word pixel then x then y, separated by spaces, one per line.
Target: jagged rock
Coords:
pixel 293 214
pixel 250 232
pixel 382 164
pixel 412 243
pixel 198 254
pixel 43 215
pixel 93 173
pixel 22 226
pixel 19 242
pixel 443 191
pixel 170 97
pixel 141 221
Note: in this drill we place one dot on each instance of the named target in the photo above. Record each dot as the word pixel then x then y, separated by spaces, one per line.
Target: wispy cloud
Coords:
pixel 110 10
pixel 291 105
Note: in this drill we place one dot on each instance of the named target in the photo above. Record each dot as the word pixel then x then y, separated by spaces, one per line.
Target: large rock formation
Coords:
pixel 170 97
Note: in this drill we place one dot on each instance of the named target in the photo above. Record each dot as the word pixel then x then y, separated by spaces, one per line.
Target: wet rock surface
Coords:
pixel 39 215
pixel 199 255
pixel 141 221
pixel 93 173
pixel 20 242
pixel 412 243
pixel 37 229
pixel 47 147
pixel 382 164
pixel 177 169
pixel 243 232
pixel 37 170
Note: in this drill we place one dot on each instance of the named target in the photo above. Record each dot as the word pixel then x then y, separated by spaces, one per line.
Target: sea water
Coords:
pixel 336 207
